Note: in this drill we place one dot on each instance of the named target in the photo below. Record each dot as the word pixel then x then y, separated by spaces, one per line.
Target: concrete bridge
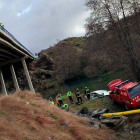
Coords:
pixel 12 51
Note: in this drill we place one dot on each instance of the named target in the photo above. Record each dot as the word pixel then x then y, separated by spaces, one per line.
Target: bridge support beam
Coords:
pixel 14 77
pixel 27 75
pixel 3 83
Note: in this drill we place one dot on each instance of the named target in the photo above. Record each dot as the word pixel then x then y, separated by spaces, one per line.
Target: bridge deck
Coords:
pixel 11 48
pixel 11 51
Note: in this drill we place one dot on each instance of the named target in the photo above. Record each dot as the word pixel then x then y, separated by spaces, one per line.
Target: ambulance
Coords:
pixel 126 93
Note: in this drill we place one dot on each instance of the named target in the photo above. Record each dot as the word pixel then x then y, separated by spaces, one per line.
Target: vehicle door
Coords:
pixel 114 94
pixel 126 98
pixel 118 97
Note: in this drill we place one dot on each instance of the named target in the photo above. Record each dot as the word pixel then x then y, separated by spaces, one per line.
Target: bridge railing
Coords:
pixel 14 38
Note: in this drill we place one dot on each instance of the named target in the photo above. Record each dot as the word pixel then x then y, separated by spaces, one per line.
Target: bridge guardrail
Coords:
pixel 14 38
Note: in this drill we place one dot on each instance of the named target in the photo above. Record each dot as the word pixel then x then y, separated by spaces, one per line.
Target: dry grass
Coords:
pixel 26 116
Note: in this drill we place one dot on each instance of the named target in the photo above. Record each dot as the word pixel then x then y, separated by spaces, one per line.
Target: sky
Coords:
pixel 39 24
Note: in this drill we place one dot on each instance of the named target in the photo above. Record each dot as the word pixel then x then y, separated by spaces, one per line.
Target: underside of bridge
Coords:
pixel 13 52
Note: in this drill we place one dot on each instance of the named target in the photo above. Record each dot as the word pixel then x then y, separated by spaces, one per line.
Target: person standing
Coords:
pixel 59 98
pixel 0 24
pixel 3 26
pixel 70 96
pixel 79 98
pixel 87 93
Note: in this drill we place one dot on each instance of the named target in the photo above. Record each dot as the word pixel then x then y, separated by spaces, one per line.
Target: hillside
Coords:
pixel 45 70
pixel 61 64
pixel 24 115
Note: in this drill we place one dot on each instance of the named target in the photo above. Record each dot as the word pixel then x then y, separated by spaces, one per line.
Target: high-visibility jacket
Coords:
pixel 87 91
pixel 52 102
pixel 78 94
pixel 59 97
pixel 65 106
pixel 68 94
pixel 0 24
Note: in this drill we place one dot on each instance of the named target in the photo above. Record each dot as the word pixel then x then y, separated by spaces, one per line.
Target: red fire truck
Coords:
pixel 126 93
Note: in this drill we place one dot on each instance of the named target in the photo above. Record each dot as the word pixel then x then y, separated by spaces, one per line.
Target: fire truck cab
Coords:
pixel 126 93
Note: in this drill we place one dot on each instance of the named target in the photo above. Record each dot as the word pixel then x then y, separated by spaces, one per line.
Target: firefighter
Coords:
pixel 79 98
pixel 70 96
pixel 87 93
pixel 59 98
pixel 66 107
pixel 51 101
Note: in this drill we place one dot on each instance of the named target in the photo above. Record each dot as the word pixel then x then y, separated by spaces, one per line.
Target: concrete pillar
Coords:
pixel 14 77
pixel 2 83
pixel 28 76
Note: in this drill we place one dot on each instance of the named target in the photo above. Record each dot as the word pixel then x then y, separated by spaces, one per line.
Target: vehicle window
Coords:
pixel 118 92
pixel 95 94
pixel 114 91
pixel 134 91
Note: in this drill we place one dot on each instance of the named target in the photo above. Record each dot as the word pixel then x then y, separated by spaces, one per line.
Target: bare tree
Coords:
pixel 114 15
pixel 67 63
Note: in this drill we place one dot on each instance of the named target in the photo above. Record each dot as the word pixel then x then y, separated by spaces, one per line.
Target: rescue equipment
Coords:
pixel 121 113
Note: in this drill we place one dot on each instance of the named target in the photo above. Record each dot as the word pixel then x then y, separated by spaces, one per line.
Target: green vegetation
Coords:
pixel 3 112
pixel 76 41
pixel 54 116
pixel 96 83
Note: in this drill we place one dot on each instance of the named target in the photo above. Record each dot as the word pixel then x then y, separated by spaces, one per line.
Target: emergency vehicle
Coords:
pixel 126 93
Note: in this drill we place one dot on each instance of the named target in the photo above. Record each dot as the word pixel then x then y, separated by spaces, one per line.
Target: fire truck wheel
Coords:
pixel 113 102
pixel 126 107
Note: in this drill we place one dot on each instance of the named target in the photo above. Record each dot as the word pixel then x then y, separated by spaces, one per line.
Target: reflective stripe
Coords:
pixel 87 91
pixel 78 94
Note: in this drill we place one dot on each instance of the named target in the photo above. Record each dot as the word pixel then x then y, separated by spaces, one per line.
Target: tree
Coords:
pixel 66 59
pixel 114 15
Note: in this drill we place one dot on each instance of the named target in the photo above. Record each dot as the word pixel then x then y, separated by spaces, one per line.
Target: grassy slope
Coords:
pixel 75 41
pixel 99 83
pixel 26 116
pixel 99 103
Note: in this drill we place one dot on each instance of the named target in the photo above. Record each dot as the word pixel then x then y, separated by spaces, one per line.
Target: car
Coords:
pixel 126 93
pixel 98 94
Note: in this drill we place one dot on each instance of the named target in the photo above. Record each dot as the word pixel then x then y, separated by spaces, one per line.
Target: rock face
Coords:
pixel 41 73
pixel 44 61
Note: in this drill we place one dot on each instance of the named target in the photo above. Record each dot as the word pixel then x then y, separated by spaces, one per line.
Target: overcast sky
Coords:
pixel 38 24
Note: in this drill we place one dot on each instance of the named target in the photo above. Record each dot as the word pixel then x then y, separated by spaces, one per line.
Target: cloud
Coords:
pixel 79 30
pixel 37 24
pixel 24 11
